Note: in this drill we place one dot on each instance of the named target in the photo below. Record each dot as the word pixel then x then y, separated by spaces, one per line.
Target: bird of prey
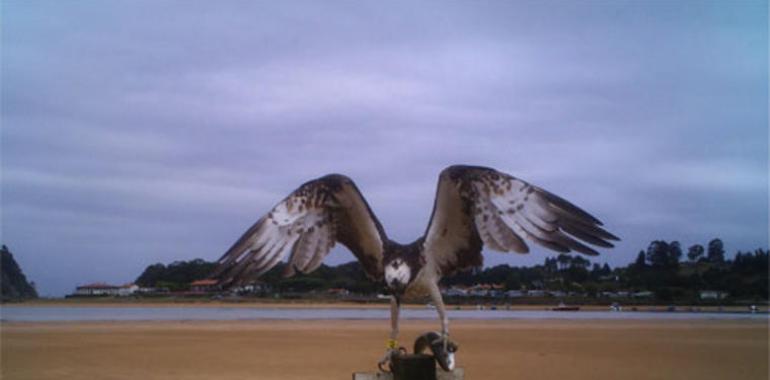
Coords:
pixel 475 208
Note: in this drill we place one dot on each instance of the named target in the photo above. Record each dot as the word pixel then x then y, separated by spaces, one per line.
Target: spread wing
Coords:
pixel 305 226
pixel 478 207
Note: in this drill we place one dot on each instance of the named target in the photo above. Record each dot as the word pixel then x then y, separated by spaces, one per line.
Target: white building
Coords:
pixel 535 293
pixel 712 295
pixel 455 292
pixel 102 289
pixel 127 290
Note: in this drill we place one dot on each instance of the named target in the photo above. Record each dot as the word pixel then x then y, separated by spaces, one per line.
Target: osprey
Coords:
pixel 475 207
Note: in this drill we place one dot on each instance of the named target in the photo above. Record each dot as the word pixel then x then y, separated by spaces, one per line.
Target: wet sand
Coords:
pixel 528 349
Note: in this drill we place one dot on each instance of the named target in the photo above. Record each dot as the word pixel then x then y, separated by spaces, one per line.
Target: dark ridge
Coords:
pixel 15 286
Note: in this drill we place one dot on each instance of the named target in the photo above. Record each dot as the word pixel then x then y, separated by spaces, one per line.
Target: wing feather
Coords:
pixel 305 227
pixel 495 208
pixel 323 244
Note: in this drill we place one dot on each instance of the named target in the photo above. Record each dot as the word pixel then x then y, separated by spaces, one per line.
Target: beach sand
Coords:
pixel 528 349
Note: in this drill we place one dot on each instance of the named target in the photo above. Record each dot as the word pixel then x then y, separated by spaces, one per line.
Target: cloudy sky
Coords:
pixel 136 132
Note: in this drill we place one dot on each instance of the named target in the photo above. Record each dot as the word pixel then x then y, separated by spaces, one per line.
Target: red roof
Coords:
pixel 206 282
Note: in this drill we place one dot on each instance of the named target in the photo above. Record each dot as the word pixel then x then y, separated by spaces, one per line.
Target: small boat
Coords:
pixel 563 307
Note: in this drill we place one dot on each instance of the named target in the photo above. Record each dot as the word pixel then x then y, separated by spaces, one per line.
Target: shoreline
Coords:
pixel 170 315
pixel 305 304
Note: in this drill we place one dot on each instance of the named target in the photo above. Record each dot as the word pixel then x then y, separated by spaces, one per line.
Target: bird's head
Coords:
pixel 402 264
pixel 398 275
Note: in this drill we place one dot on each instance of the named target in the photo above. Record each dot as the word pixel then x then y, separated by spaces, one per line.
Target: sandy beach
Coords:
pixel 527 349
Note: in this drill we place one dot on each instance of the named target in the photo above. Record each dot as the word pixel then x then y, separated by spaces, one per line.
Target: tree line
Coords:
pixel 176 276
pixel 662 269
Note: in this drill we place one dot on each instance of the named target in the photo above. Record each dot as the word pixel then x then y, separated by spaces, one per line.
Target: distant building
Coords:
pixel 712 295
pixel 97 289
pixel 127 290
pixel 535 293
pixel 454 291
pixel 338 291
pixel 143 290
pixel 471 291
pixel 254 287
pixel 205 286
pixel 486 290
pixel 103 289
pixel 514 293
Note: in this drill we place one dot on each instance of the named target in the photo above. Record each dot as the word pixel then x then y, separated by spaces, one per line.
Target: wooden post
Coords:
pixel 456 374
pixel 414 367
pixel 438 374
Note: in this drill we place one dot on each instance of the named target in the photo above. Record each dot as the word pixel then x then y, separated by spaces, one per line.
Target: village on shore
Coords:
pixel 658 276
pixel 208 288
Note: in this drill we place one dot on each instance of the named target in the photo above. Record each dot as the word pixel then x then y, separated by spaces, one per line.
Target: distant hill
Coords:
pixel 14 285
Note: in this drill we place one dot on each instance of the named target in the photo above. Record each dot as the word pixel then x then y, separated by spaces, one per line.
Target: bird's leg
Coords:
pixel 392 343
pixel 435 295
pixel 395 308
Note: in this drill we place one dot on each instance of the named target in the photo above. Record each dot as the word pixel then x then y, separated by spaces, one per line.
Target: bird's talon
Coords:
pixel 387 359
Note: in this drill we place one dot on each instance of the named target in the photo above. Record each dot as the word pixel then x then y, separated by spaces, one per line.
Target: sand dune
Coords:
pixel 333 349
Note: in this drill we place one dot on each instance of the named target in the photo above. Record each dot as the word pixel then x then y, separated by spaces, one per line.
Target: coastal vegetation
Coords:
pixel 662 272
pixel 176 276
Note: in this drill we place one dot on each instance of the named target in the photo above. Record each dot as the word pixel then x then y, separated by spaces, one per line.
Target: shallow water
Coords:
pixel 75 314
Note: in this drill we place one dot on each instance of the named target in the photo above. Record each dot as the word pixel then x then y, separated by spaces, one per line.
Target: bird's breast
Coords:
pixel 420 287
pixel 416 292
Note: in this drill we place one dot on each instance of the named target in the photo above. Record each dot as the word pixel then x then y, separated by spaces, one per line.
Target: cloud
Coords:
pixel 152 132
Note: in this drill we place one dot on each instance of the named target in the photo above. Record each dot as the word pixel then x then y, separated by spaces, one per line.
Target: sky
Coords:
pixel 136 132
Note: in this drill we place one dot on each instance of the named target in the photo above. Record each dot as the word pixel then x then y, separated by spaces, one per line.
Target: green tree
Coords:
pixel 640 262
pixel 695 252
pixel 151 275
pixel 658 254
pixel 716 251
pixel 177 275
pixel 674 255
pixel 513 281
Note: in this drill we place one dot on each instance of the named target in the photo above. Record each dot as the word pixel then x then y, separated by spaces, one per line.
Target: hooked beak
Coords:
pixel 396 286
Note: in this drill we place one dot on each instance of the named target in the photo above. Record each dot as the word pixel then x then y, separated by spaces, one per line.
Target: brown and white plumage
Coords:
pixel 305 226
pixel 475 207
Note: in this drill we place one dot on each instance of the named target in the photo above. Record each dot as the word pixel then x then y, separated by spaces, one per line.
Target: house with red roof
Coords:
pixel 205 286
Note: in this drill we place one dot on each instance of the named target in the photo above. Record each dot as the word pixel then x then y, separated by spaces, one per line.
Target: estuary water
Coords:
pixel 79 314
